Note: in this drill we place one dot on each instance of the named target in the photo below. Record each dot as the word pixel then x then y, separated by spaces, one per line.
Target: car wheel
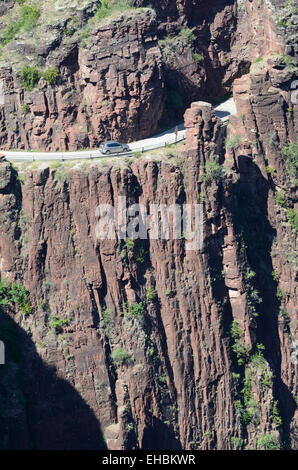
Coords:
pixel 108 152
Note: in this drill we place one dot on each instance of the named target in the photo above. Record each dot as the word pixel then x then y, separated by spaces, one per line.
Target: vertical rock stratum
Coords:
pixel 144 344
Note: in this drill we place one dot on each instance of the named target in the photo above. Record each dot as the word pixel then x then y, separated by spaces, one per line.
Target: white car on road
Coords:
pixel 107 148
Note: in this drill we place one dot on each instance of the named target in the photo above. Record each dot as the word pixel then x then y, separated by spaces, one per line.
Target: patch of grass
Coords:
pixel 137 154
pixel 170 45
pixel 108 7
pixel 257 359
pixel 253 296
pixel 169 293
pixel 288 61
pixel 61 174
pixel 9 33
pixel 258 65
pixel 234 142
pixel 249 274
pixel 28 16
pixel 279 294
pixel 275 276
pixel 54 165
pixel 287 15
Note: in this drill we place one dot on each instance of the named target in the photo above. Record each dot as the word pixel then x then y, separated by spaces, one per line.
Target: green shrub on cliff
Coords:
pixel 239 347
pixel 15 295
pixel 237 443
pixel 268 442
pixel 213 171
pixel 251 409
pixel 280 199
pixel 290 151
pixel 270 171
pixel 198 57
pixel 135 310
pixel 129 244
pixel 30 77
pixel 25 109
pixel 120 356
pixel 57 323
pixel 276 419
pixel 104 10
pixel 187 36
pixel 51 75
pixel 107 318
pixel 292 217
pixel 150 294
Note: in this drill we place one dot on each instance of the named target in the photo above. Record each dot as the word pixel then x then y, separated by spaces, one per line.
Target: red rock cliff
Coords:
pixel 145 344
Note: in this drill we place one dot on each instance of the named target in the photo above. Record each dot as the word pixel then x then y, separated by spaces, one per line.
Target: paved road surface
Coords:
pixel 223 111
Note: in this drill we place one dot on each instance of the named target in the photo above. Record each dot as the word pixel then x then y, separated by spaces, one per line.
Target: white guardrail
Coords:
pixel 85 155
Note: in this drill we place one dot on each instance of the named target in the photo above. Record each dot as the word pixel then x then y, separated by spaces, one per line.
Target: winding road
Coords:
pixel 223 111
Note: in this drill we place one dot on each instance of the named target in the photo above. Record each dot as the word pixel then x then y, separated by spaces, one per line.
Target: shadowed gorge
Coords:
pixel 39 410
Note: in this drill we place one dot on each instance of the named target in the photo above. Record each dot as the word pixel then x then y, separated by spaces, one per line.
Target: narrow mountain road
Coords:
pixel 223 111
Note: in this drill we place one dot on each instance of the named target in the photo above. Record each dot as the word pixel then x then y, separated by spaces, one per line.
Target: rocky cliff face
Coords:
pixel 145 344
